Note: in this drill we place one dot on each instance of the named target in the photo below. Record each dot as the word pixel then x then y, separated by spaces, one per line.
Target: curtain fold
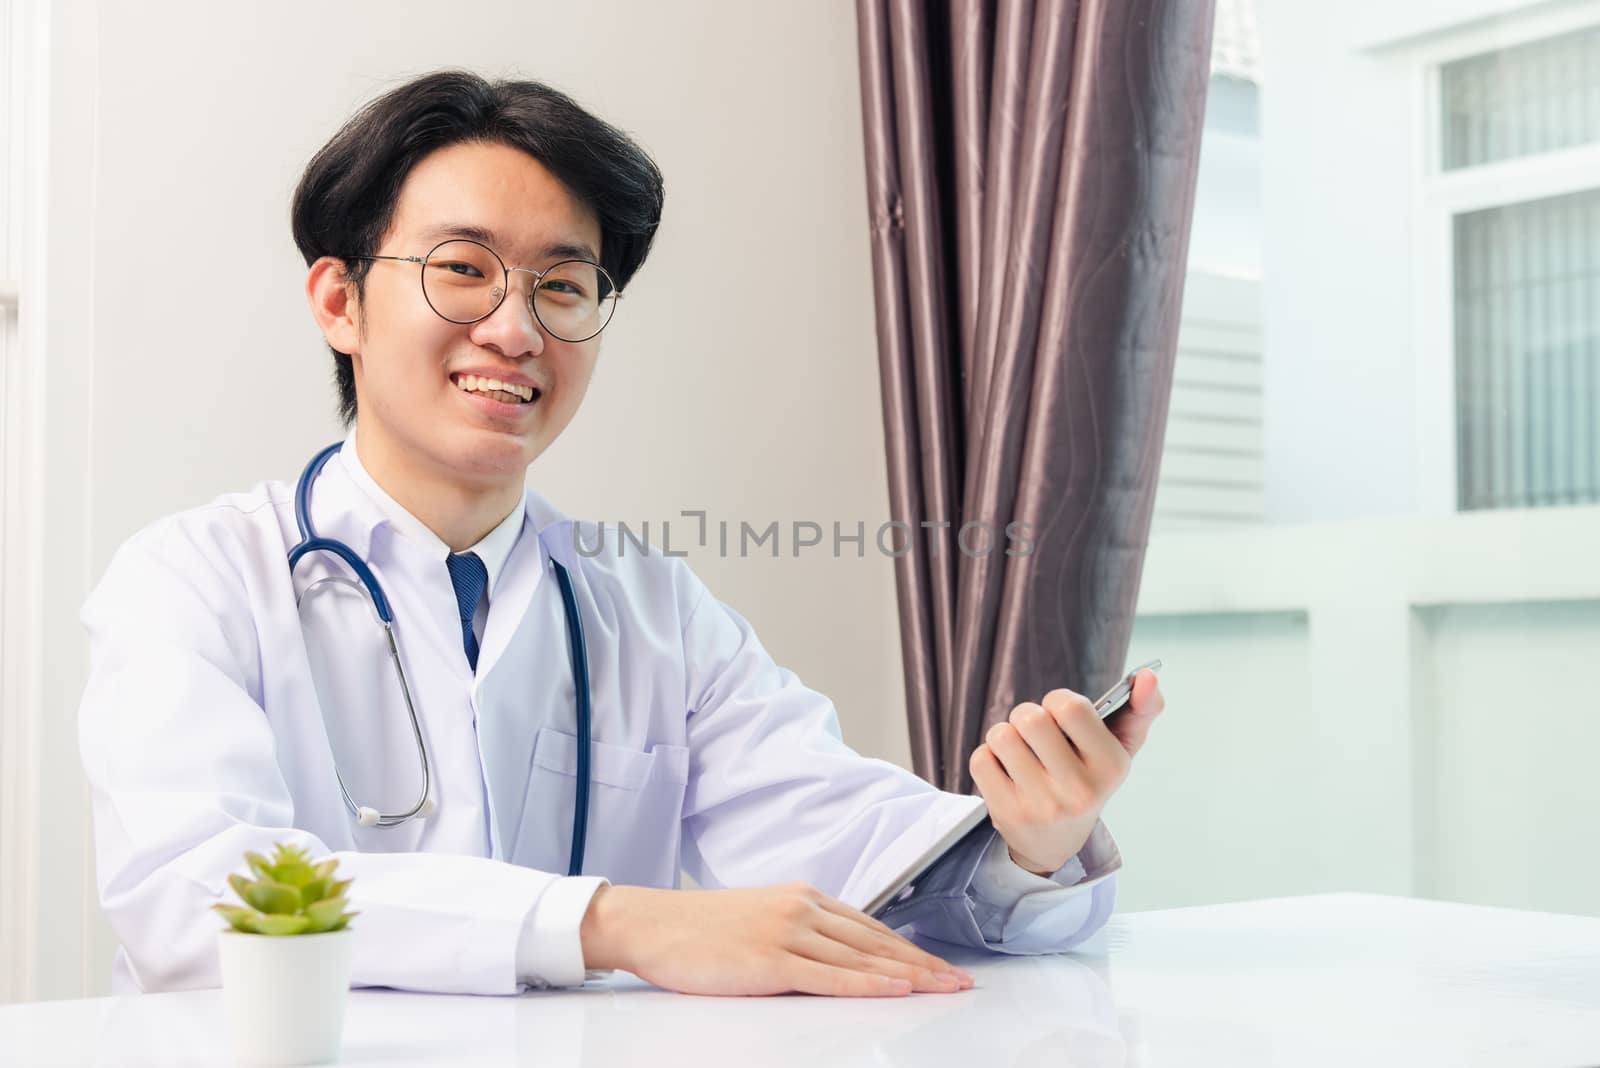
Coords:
pixel 1030 175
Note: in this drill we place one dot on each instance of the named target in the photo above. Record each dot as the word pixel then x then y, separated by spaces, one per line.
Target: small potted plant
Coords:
pixel 286 957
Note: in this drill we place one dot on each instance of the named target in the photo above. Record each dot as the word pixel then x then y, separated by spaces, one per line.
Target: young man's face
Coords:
pixel 410 363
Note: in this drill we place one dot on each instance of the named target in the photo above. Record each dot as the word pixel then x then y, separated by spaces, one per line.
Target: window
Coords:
pixel 1395 266
pixel 1527 311
pixel 1518 129
pixel 1519 101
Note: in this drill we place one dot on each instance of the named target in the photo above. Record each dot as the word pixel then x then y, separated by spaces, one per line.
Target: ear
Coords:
pixel 334 304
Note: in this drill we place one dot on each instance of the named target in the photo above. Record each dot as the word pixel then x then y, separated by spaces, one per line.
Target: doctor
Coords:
pixel 466 243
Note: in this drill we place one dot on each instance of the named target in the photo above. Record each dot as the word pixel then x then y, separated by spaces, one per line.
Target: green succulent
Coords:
pixel 288 896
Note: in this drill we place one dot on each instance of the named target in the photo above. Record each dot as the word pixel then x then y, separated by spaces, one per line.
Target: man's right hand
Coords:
pixel 760 940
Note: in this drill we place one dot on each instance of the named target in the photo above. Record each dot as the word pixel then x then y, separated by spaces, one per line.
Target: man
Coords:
pixel 466 245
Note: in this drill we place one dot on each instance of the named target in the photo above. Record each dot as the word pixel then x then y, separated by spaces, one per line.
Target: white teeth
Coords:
pixel 474 384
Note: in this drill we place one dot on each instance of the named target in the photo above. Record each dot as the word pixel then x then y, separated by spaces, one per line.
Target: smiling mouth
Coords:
pixel 493 388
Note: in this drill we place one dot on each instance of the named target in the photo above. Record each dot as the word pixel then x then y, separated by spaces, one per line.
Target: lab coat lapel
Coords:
pixel 522 574
pixel 502 691
pixel 545 536
pixel 525 659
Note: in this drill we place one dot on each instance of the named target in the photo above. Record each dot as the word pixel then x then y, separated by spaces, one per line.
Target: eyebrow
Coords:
pixel 556 250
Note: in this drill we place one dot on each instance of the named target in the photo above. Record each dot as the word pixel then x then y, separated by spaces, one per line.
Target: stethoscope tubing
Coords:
pixel 577 646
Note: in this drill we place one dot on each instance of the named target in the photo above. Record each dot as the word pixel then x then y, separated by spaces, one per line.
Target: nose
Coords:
pixel 512 330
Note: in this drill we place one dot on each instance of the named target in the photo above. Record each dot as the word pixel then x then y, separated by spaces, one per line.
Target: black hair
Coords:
pixel 346 198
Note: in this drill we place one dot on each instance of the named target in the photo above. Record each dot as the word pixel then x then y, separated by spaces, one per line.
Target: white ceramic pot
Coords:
pixel 285 995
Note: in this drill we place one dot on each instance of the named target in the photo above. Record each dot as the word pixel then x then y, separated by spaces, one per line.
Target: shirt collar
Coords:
pixel 494 548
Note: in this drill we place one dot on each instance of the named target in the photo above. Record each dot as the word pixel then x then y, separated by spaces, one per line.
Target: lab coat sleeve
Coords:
pixel 775 795
pixel 181 764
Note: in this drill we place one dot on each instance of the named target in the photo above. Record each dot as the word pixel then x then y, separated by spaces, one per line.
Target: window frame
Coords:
pixel 1439 196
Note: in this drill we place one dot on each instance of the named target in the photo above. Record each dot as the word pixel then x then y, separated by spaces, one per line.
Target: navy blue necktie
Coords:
pixel 470 578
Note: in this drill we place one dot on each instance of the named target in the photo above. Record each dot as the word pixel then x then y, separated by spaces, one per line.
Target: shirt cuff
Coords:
pixel 999 883
pixel 550 949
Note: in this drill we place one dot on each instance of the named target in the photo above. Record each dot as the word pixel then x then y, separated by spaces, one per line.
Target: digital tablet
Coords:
pixel 973 824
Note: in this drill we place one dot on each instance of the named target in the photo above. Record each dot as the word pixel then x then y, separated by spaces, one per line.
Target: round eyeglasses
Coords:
pixel 464 281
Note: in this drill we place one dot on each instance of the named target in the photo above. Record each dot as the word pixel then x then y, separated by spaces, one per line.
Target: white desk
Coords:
pixel 1340 979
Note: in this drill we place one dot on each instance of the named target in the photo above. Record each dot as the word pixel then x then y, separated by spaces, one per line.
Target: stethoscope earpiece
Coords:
pixel 366 816
pixel 429 807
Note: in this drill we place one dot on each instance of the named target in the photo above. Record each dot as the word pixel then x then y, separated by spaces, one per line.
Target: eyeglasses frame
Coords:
pixel 538 276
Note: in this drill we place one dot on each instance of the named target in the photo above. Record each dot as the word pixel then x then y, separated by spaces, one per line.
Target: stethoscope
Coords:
pixel 370 817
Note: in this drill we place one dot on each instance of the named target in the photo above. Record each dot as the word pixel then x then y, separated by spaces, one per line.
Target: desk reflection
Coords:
pixel 1023 1011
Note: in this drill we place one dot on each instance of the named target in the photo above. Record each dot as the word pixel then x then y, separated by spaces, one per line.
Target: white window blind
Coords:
pixel 1527 311
pixel 1538 97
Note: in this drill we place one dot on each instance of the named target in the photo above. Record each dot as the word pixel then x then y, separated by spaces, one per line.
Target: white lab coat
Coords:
pixel 215 707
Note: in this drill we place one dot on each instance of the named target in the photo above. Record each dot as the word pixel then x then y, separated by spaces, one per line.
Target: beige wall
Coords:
pixel 751 110
pixel 190 121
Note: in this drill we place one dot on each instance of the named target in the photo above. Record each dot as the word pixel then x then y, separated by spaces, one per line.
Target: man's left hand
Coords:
pixel 1047 772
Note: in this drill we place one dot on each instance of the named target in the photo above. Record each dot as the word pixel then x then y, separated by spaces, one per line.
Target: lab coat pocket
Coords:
pixel 635 807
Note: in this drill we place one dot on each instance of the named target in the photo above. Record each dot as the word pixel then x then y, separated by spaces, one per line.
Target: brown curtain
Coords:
pixel 1030 171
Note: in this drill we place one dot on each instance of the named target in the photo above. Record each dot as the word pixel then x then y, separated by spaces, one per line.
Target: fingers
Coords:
pixel 1132 725
pixel 1018 760
pixel 1104 757
pixel 839 908
pixel 845 938
pixel 991 779
pixel 825 948
pixel 1043 736
pixel 875 936
pixel 883 944
pixel 814 977
pixel 1061 749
